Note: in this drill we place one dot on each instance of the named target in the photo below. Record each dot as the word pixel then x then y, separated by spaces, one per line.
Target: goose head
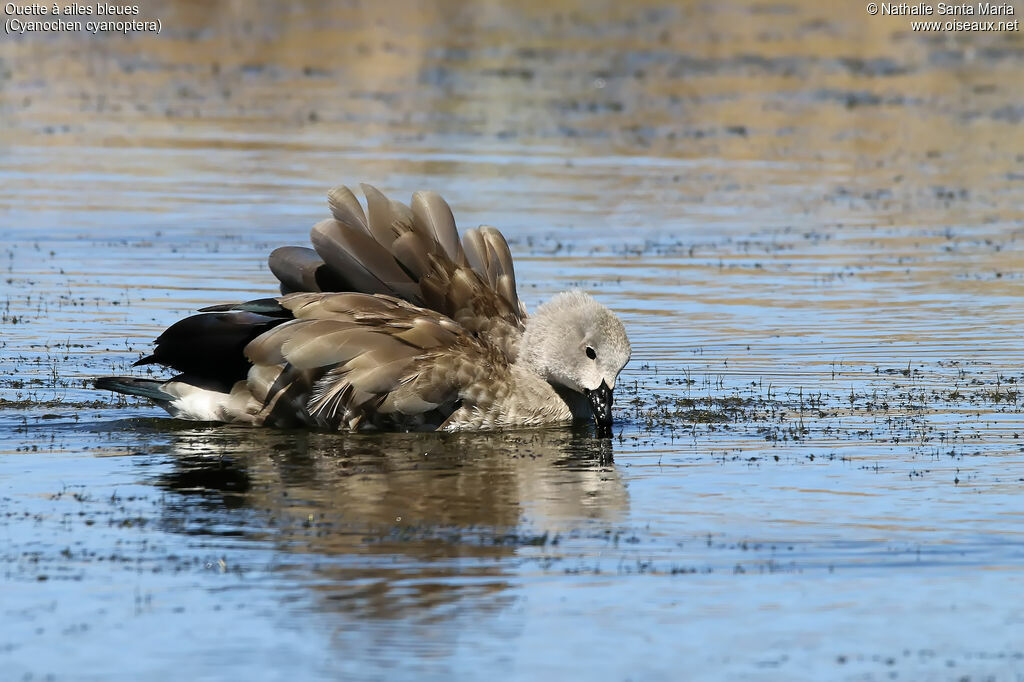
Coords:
pixel 579 345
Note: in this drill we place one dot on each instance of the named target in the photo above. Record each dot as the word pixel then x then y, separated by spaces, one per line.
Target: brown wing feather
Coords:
pixel 380 214
pixel 362 260
pixel 414 254
pixel 346 209
pixel 490 257
pixel 433 216
pixel 353 358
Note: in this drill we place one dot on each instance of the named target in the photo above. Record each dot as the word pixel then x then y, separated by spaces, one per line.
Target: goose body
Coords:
pixel 390 322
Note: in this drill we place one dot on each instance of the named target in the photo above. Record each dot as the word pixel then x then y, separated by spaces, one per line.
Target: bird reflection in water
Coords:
pixel 388 523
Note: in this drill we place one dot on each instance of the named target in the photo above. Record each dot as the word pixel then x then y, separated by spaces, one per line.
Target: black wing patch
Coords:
pixel 210 345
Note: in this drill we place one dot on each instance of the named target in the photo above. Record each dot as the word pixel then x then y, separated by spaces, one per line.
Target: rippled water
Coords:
pixel 811 221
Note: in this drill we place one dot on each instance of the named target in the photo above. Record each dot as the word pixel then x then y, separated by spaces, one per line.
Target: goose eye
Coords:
pixel 590 353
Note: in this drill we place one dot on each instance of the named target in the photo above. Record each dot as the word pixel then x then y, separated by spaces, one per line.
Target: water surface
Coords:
pixel 809 219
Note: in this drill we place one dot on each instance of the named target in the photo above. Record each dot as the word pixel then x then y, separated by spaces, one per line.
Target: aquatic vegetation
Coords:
pixel 808 219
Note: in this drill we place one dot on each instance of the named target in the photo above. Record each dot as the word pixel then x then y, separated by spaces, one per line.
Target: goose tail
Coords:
pixel 186 400
pixel 150 389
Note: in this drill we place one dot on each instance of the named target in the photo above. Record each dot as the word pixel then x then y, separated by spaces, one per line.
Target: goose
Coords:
pixel 390 322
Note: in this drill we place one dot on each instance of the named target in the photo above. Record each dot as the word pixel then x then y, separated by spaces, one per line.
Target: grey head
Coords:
pixel 577 345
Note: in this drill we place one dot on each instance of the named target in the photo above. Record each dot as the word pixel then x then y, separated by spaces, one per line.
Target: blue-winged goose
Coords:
pixel 427 333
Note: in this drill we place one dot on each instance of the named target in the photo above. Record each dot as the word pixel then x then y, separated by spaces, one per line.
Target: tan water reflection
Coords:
pixel 392 522
pixel 791 203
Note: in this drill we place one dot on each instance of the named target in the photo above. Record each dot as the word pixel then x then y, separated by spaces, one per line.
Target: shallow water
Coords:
pixel 811 221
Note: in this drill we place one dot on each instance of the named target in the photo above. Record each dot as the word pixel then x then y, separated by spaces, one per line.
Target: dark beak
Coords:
pixel 600 400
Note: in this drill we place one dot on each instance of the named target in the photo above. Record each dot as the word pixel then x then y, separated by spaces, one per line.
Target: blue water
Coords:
pixel 809 220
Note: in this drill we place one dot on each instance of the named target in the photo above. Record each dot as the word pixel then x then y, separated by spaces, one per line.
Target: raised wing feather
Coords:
pixel 489 256
pixel 414 254
pixel 433 216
